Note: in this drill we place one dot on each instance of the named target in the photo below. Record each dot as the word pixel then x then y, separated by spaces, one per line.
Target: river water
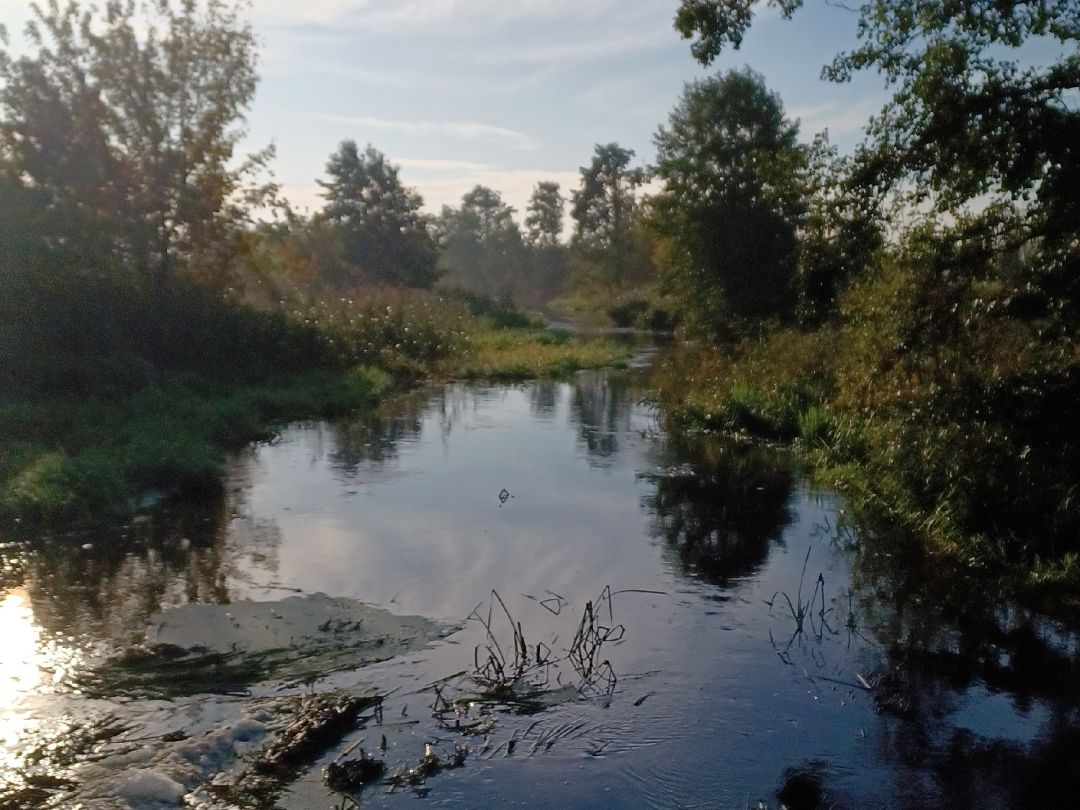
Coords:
pixel 692 623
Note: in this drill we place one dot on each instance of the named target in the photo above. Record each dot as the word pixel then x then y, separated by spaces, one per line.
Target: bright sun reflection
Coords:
pixel 29 665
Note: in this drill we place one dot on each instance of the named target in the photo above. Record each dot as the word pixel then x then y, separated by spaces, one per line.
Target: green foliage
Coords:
pixel 94 458
pixel 482 248
pixel 768 386
pixel 544 219
pixel 401 330
pixel 950 415
pixel 607 232
pixel 500 314
pixel 524 354
pixel 643 309
pixel 719 23
pixel 383 234
pixel 125 120
pixel 732 199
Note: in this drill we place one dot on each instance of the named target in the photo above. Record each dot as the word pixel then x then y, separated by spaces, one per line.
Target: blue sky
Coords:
pixel 507 92
pixel 511 92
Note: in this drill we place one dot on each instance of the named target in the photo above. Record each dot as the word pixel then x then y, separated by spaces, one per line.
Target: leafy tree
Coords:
pixel 544 219
pixel 840 237
pixel 482 217
pixel 128 118
pixel 605 209
pixel 973 126
pixel 482 245
pixel 384 235
pixel 732 199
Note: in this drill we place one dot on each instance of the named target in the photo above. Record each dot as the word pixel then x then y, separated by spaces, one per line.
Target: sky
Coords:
pixel 507 93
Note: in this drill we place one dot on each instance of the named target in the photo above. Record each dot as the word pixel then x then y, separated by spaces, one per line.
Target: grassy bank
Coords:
pixel 524 353
pixel 961 447
pixel 89 459
pixel 112 396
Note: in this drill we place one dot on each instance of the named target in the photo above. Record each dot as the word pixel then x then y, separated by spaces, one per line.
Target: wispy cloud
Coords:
pixel 440 165
pixel 583 50
pixel 461 130
pixel 839 119
pixel 386 13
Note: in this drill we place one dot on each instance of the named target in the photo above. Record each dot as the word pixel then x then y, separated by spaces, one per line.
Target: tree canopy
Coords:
pixel 732 197
pixel 382 230
pixel 126 119
pixel 482 245
pixel 605 210
pixel 975 123
pixel 544 219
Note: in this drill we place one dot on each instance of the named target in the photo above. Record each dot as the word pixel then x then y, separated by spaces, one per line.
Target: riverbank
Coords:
pixel 962 453
pixel 97 424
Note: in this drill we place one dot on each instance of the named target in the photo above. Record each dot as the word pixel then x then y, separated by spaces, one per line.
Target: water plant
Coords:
pixel 799 610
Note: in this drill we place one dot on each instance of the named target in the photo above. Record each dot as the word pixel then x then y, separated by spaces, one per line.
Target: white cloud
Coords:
pixel 515 185
pixel 461 130
pixel 322 12
pixel 585 50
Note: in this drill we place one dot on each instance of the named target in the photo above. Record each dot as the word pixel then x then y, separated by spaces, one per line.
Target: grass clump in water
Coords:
pixel 524 354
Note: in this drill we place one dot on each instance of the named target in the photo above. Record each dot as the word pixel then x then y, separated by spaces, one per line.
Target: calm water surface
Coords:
pixel 696 560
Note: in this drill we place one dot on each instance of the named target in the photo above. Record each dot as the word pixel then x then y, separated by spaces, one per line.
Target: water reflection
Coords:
pixel 602 407
pixel 976 699
pixel 721 510
pixel 985 692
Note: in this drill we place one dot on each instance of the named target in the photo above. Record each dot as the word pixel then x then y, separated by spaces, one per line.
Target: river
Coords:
pixel 559 602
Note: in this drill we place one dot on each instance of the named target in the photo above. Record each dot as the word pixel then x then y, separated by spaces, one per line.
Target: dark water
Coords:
pixel 895 690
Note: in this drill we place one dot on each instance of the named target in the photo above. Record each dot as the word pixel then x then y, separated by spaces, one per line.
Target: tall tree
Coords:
pixel 128 118
pixel 605 208
pixel 974 124
pixel 482 248
pixel 732 197
pixel 378 220
pixel 544 218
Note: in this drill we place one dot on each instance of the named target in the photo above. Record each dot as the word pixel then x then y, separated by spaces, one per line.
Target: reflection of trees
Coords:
pixel 720 513
pixel 112 587
pixel 188 552
pixel 544 398
pixel 944 635
pixel 602 407
pixel 372 440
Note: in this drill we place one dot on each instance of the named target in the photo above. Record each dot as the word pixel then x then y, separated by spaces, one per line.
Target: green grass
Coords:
pixel 527 353
pixel 93 459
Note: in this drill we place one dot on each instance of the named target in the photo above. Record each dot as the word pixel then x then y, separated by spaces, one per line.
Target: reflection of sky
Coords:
pixel 429 526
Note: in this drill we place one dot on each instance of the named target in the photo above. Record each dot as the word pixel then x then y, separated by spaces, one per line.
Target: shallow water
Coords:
pixel 899 691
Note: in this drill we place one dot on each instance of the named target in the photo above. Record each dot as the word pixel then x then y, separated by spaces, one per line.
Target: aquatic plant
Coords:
pixel 800 610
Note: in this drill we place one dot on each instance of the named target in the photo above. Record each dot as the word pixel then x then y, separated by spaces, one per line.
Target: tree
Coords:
pixel 383 233
pixel 605 209
pixel 732 198
pixel 482 245
pixel 483 217
pixel 973 127
pixel 128 119
pixel 544 219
